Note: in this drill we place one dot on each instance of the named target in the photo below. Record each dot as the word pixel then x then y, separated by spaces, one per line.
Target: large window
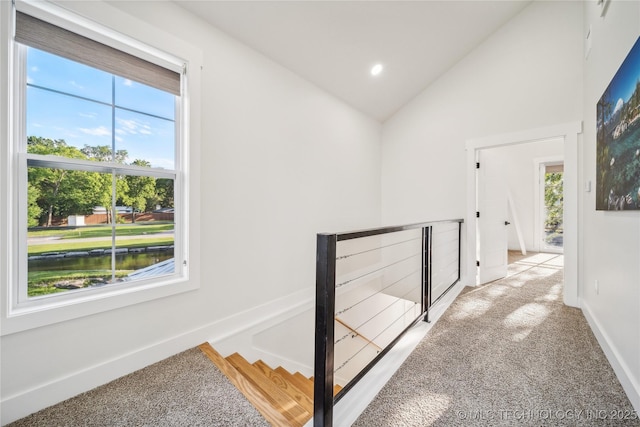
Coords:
pixel 98 164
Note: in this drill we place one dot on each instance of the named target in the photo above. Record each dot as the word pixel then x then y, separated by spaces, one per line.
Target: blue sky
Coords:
pixel 83 122
pixel 624 82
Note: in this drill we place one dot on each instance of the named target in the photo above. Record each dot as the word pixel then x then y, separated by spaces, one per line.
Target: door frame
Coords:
pixel 569 133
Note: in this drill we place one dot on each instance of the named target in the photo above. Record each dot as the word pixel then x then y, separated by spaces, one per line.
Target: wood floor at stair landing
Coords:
pixel 286 405
pixel 282 380
pixel 283 398
pixel 250 391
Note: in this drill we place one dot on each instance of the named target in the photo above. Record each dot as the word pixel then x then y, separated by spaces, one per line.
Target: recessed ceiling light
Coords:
pixel 376 69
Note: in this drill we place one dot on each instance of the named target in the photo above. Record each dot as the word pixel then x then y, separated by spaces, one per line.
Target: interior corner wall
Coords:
pixel 610 240
pixel 526 75
pixel 275 160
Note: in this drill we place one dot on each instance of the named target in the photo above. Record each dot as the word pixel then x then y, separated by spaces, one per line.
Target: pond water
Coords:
pixel 130 261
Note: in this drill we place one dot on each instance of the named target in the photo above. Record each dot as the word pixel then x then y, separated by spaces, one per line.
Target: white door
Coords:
pixel 492 222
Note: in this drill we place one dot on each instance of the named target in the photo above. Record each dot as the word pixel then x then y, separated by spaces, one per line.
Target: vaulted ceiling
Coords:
pixel 334 44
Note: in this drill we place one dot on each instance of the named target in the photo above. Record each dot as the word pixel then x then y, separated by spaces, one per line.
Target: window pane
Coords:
pixel 145 99
pixel 78 123
pixel 553 200
pixel 89 229
pixel 146 139
pixel 64 75
pixel 144 249
pixel 145 233
pixel 68 245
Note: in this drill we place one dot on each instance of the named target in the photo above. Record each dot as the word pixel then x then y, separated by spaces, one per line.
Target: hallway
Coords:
pixel 506 353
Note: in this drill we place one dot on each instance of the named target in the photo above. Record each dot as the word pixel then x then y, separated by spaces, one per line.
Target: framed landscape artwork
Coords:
pixel 618 138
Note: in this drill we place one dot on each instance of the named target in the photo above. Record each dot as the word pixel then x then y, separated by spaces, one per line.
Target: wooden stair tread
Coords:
pixel 250 391
pixel 282 381
pixel 303 383
pixel 285 404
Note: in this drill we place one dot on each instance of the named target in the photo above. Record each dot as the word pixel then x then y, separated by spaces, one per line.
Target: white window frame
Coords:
pixel 19 313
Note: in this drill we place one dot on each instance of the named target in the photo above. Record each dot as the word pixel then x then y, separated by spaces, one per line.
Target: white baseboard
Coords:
pixel 44 395
pixel 621 369
pixel 20 405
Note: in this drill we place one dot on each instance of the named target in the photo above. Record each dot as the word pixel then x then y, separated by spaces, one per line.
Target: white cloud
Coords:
pixel 133 127
pixel 88 115
pixel 128 82
pixel 30 80
pixel 76 85
pixel 99 131
pixel 34 69
pixel 128 126
pixel 619 105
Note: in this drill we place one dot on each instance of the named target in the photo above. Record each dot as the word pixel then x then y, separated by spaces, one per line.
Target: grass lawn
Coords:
pixel 61 246
pixel 103 231
pixel 41 282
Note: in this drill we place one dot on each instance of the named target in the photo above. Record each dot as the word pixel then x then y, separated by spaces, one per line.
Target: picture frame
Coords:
pixel 618 138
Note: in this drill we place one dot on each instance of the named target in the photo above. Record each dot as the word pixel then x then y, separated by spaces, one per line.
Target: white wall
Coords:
pixel 610 240
pixel 521 178
pixel 275 160
pixel 527 75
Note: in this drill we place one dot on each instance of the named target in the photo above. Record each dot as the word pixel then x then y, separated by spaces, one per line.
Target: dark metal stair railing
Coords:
pixel 326 251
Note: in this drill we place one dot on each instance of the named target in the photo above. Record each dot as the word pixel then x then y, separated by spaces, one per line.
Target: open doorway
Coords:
pixel 568 133
pixel 519 203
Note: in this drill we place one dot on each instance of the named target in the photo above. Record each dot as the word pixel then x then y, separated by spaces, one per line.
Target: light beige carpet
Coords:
pixel 506 353
pixel 183 390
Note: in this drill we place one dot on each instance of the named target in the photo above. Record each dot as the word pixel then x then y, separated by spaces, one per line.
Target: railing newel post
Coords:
pixel 325 330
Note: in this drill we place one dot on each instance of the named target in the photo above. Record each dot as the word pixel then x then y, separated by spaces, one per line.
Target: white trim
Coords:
pixel 51 161
pixel 623 372
pixel 17 316
pixel 568 131
pixel 246 322
pixel 29 401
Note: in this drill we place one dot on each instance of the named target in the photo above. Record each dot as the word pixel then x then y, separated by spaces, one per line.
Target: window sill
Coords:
pixel 88 303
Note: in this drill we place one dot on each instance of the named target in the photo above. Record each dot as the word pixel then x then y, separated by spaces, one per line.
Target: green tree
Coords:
pixel 103 153
pixel 553 200
pixel 139 190
pixel 58 189
pixel 33 209
pixel 163 195
pixel 102 184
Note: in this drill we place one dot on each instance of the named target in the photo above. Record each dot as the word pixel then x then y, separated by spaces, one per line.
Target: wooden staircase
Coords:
pixel 284 399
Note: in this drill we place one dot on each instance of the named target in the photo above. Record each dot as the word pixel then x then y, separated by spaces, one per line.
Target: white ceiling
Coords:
pixel 334 44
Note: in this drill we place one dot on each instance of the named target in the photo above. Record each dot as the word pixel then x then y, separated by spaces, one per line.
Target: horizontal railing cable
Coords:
pixel 376 249
pixel 399 299
pixel 346 282
pixel 344 310
pixel 346 362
